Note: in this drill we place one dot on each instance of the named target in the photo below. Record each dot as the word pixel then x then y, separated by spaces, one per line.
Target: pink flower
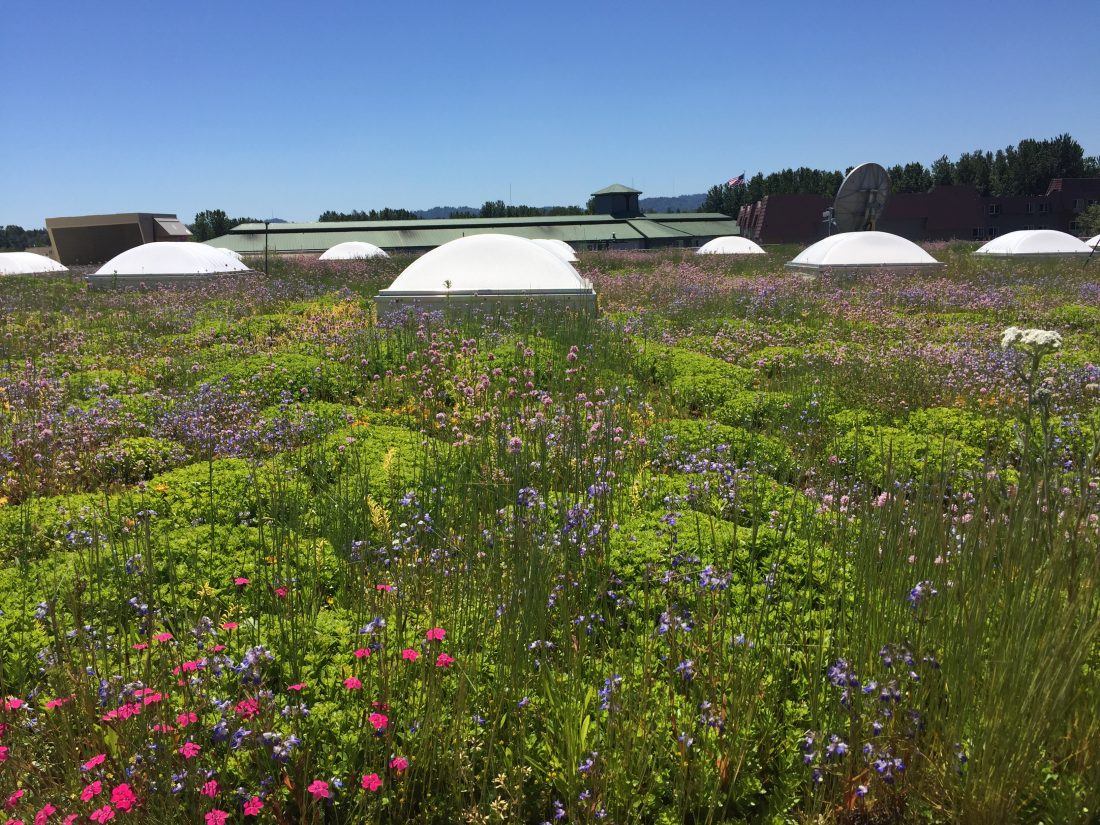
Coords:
pixel 91 790
pixel 319 789
pixel 216 817
pixel 443 660
pixel 352 683
pixel 253 806
pixel 399 763
pixel 190 749
pixel 185 719
pixel 210 788
pixel 44 813
pixel 298 687
pixel 230 626
pixel 247 708
pixel 163 637
pixel 436 634
pixel 4 752
pixel 102 815
pixel 371 782
pixel 70 819
pixel 13 704
pixel 410 654
pixel 123 797
pixel 218 648
pixel 56 703
pixel 385 588
pixel 379 720
pixel 14 799
pixel 138 646
pixel 241 581
pixel 281 592
pixel 362 653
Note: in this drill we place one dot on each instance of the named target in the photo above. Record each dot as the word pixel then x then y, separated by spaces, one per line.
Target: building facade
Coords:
pixel 945 213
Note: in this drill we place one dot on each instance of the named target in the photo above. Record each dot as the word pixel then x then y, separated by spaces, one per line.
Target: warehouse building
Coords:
pixel 619 224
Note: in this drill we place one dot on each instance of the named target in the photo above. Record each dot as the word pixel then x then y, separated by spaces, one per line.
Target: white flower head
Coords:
pixel 1031 340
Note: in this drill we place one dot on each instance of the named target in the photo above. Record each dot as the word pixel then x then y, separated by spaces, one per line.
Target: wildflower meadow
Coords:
pixel 748 546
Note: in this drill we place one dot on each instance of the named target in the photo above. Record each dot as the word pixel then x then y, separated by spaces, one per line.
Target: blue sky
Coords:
pixel 288 109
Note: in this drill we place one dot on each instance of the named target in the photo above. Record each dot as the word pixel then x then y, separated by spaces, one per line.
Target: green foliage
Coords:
pixel 301 376
pixel 729 443
pixel 1089 220
pixel 130 460
pixel 213 223
pixel 385 214
pixel 693 380
pixel 17 238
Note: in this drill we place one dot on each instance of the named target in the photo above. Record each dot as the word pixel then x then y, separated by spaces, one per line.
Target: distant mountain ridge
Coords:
pixel 676 203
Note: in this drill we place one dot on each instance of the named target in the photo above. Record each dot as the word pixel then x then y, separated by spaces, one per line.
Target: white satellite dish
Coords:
pixel 860 199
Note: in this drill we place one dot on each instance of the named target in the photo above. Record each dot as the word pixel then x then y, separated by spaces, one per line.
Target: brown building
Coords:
pixel 95 239
pixel 945 213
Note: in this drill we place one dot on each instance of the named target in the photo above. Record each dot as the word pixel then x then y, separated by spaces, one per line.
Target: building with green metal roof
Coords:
pixel 583 232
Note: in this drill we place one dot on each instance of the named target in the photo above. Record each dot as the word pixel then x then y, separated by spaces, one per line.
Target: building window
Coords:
pixel 1074 226
pixel 991 232
pixel 1078 204
pixel 1044 208
pixel 977 232
pixel 1029 209
pixel 994 209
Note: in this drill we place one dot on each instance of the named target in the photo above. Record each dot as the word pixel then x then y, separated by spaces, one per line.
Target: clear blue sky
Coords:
pixel 288 109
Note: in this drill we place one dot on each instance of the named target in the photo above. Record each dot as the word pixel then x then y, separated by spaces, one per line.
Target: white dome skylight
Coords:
pixel 730 245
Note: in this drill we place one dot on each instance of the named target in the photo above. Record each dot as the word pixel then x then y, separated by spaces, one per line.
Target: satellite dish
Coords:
pixel 860 199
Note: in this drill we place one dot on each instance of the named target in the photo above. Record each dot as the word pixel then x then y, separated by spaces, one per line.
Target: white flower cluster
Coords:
pixel 1033 340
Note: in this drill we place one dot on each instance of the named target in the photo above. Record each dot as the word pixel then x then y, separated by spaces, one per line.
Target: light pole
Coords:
pixel 266 225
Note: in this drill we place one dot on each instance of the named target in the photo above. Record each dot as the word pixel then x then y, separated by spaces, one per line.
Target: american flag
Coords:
pixel 738 181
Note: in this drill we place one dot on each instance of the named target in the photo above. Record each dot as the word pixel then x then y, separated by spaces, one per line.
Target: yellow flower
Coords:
pixel 160 488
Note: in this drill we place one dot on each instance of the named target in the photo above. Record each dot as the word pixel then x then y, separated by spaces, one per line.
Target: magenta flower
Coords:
pixel 443 660
pixel 385 588
pixel 319 789
pixel 371 782
pixel 298 687
pixel 102 815
pixel 379 720
pixel 216 817
pixel 190 749
pixel 91 790
pixel 139 646
pixel 253 806
pixel 122 797
pixel 13 800
pixel 362 653
pixel 44 813
pixel 241 581
pixel 436 634
pixel 352 683
pixel 4 752
pixel 410 654
pixel 399 763
pixel 163 637
pixel 281 592
pixel 210 789
pixel 230 626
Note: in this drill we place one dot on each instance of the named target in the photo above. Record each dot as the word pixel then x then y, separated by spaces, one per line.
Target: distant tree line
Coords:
pixel 1024 169
pixel 18 238
pixel 386 214
pixel 213 223
pixel 499 209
